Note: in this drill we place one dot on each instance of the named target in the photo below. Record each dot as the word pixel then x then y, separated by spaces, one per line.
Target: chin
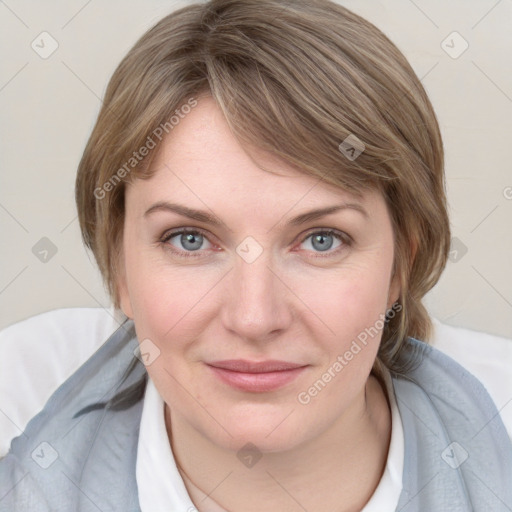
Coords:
pixel 260 441
pixel 268 431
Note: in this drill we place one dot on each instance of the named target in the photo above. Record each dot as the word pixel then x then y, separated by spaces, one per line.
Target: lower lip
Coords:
pixel 257 382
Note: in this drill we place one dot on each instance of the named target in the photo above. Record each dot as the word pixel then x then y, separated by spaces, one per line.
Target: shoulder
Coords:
pixel 453 434
pixel 43 351
pixel 485 356
pixel 87 431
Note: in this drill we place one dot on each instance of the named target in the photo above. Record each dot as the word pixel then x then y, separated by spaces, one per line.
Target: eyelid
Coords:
pixel 183 230
pixel 344 238
pixel 341 234
pixel 179 253
pixel 177 231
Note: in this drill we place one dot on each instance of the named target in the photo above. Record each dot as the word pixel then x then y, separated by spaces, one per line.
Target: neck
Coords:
pixel 346 461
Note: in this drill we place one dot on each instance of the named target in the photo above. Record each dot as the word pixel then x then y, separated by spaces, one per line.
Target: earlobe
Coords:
pixel 395 286
pixel 394 290
pixel 124 301
pixel 123 295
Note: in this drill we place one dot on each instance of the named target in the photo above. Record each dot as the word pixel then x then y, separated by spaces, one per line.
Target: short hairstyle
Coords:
pixel 308 81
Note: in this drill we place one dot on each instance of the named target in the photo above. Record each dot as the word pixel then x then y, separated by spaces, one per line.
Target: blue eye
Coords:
pixel 190 241
pixel 322 241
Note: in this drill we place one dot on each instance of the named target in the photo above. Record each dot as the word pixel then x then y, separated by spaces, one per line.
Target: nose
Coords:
pixel 256 305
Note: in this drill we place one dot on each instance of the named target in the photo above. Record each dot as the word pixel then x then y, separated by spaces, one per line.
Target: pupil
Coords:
pixel 190 238
pixel 321 240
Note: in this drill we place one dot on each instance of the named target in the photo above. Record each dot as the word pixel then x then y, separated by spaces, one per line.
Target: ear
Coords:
pixel 395 287
pixel 124 301
pixel 122 289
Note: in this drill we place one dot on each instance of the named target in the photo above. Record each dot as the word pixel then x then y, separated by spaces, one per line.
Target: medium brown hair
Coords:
pixel 293 78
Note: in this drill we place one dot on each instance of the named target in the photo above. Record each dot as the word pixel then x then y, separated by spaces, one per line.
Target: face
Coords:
pixel 262 326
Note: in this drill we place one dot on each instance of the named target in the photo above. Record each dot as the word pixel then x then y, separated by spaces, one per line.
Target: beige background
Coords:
pixel 49 106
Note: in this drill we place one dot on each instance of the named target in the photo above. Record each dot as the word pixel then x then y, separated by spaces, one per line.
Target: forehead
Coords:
pixel 201 163
pixel 203 143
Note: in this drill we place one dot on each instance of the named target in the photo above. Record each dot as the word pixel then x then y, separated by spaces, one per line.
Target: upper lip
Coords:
pixel 244 366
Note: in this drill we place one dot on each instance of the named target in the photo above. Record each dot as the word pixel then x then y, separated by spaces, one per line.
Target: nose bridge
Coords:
pixel 256 303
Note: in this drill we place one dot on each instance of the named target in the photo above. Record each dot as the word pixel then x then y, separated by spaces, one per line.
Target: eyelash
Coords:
pixel 340 235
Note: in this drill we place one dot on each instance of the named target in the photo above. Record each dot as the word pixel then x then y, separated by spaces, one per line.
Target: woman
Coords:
pixel 264 194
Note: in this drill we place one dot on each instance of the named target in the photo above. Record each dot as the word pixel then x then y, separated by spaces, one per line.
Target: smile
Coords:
pixel 256 377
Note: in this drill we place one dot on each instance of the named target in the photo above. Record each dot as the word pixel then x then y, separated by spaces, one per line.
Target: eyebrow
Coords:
pixel 208 218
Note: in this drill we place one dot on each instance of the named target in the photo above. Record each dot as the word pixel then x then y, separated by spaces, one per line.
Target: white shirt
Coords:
pixel 161 487
pixel 46 349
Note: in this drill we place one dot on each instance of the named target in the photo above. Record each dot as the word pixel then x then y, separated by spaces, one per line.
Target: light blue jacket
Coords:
pixel 79 453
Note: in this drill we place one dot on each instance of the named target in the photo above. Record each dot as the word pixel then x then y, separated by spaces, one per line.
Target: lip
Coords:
pixel 257 377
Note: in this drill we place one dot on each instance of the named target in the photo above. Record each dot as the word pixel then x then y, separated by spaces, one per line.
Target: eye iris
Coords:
pixel 193 241
pixel 191 237
pixel 323 245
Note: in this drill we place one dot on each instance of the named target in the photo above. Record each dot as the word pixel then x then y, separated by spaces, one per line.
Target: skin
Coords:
pixel 295 303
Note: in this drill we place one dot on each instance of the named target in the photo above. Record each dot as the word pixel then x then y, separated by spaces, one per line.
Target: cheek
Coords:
pixel 355 317
pixel 352 304
pixel 352 300
pixel 167 301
